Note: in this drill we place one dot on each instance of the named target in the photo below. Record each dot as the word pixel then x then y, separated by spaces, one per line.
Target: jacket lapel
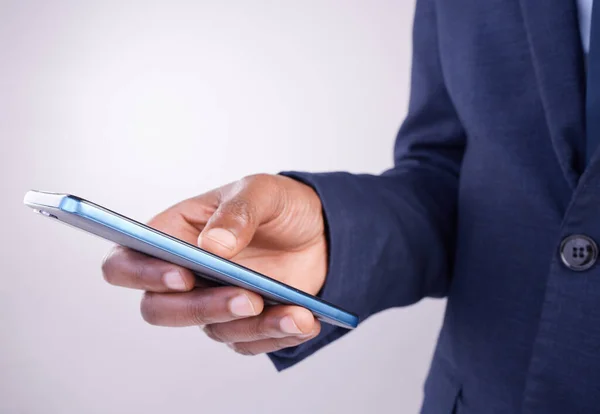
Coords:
pixel 553 33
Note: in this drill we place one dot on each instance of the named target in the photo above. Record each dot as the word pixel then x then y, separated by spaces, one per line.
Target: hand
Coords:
pixel 271 224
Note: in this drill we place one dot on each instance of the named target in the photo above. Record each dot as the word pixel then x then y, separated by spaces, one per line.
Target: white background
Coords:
pixel 136 105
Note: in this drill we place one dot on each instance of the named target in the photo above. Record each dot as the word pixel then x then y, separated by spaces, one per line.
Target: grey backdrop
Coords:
pixel 137 105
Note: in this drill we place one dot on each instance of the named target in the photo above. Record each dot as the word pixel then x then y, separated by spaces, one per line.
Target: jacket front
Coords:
pixel 488 185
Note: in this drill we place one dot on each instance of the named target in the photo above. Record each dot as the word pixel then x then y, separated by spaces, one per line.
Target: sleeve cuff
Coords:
pixel 336 290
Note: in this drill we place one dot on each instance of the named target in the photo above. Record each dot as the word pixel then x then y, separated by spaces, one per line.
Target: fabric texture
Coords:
pixel 489 177
pixel 593 87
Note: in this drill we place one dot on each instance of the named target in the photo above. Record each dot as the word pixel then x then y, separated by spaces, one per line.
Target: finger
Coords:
pixel 242 208
pixel 269 345
pixel 274 322
pixel 185 219
pixel 128 268
pixel 266 345
pixel 200 306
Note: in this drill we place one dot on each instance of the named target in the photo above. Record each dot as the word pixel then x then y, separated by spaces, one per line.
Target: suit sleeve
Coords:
pixel 391 236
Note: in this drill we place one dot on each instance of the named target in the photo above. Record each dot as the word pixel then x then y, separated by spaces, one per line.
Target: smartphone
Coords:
pixel 119 229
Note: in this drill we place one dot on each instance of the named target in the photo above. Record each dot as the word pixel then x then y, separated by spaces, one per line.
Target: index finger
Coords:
pixel 127 268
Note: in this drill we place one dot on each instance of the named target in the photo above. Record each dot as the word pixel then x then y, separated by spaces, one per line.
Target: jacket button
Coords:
pixel 578 252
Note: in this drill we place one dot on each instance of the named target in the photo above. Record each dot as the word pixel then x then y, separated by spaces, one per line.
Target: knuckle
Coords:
pixel 139 274
pixel 287 342
pixel 107 266
pixel 148 308
pixel 242 348
pixel 268 189
pixel 198 312
pixel 262 329
pixel 259 179
pixel 242 210
pixel 267 183
pixel 281 343
pixel 213 333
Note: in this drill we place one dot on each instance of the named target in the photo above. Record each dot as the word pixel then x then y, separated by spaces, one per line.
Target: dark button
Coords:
pixel 578 252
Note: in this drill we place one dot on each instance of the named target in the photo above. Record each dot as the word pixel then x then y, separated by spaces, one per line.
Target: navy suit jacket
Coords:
pixel 488 179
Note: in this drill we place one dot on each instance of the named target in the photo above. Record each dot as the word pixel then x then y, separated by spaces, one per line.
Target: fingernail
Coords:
pixel 224 237
pixel 174 280
pixel 288 326
pixel 241 306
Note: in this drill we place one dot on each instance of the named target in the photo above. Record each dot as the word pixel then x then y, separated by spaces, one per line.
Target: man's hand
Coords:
pixel 271 224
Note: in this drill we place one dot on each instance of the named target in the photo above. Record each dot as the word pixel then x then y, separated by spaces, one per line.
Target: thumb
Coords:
pixel 244 206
